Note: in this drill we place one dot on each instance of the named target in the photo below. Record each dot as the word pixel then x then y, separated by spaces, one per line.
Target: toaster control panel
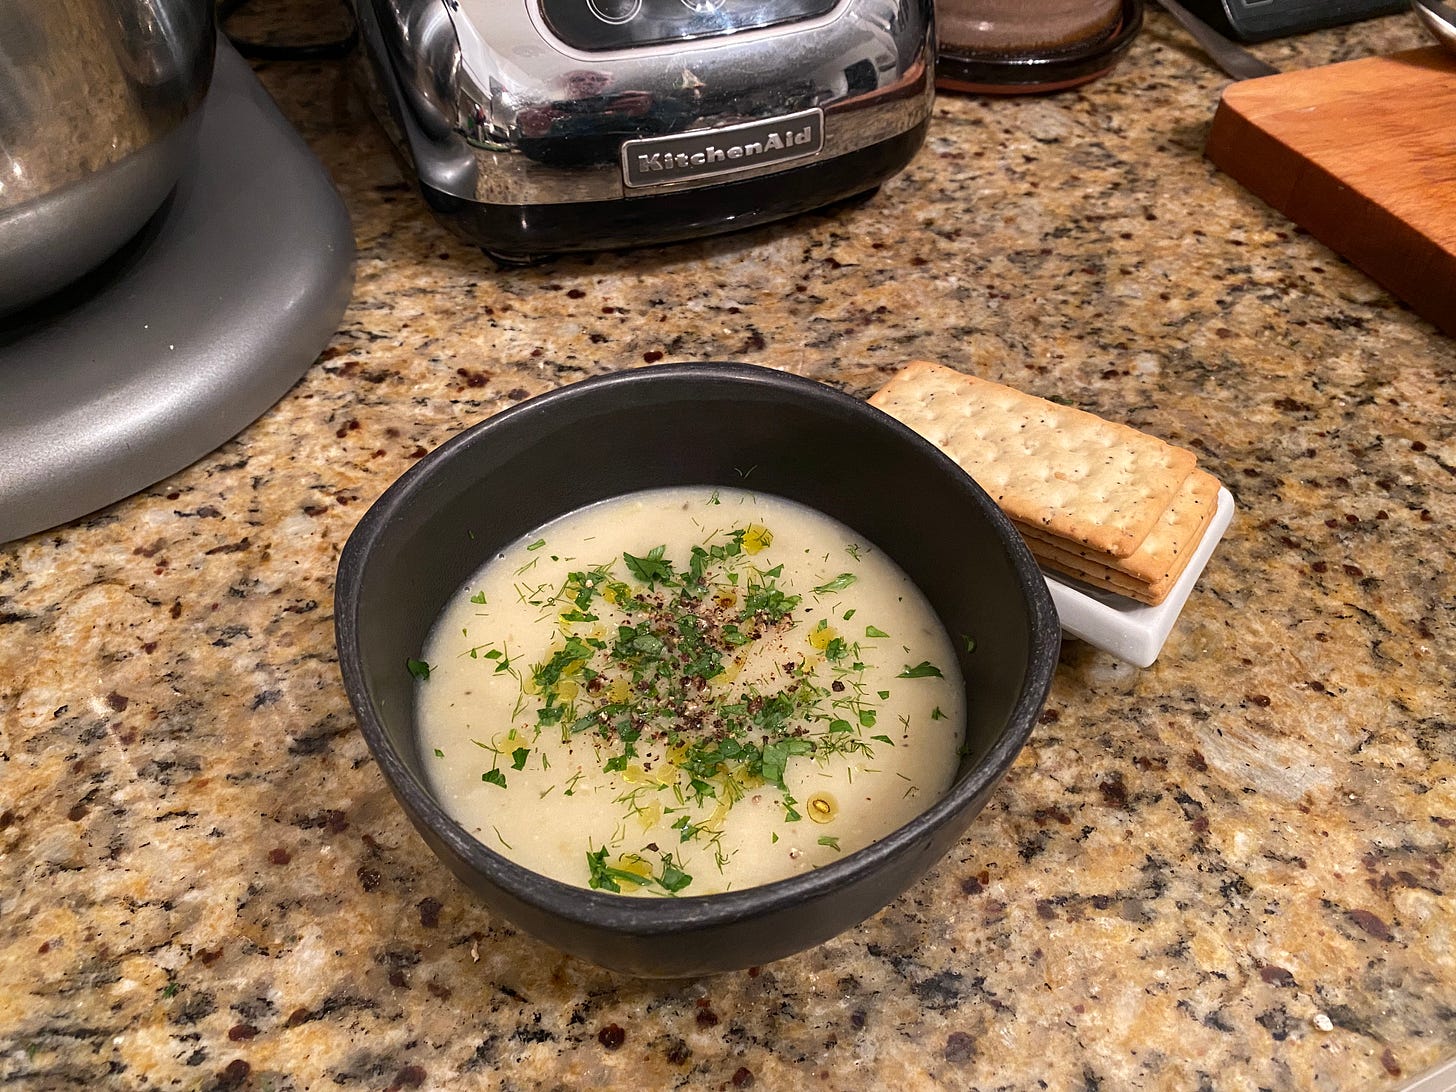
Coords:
pixel 600 25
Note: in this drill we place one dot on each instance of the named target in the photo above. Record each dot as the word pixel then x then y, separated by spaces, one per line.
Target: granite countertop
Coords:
pixel 1228 870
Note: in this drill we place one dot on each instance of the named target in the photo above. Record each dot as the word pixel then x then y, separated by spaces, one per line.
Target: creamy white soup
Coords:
pixel 687 691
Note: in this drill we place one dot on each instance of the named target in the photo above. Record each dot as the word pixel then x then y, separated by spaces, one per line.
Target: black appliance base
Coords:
pixel 514 234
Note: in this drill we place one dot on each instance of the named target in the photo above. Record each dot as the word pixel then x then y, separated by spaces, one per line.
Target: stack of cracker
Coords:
pixel 1097 501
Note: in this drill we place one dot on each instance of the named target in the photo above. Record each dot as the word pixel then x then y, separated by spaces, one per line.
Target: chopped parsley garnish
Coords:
pixel 635 871
pixel 923 670
pixel 644 673
pixel 672 877
pixel 651 569
pixel 418 668
pixel 604 877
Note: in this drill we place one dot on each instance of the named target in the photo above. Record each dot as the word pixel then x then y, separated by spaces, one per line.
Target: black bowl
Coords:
pixel 696 424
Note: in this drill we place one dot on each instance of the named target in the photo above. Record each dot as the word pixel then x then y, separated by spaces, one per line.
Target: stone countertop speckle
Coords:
pixel 1228 870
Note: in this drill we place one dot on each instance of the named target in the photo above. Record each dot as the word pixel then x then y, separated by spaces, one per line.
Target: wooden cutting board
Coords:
pixel 1361 154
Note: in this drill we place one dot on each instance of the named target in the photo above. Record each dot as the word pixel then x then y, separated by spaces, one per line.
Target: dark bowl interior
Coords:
pixel 697 424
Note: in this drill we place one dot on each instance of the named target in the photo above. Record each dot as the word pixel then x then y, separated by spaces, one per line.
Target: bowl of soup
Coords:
pixel 691 667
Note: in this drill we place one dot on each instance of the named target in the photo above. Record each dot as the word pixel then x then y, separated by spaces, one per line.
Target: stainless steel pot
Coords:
pixel 98 116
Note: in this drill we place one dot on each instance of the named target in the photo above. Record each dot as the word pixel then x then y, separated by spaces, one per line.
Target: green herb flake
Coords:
pixel 599 875
pixel 439 753
pixel 673 878
pixel 970 643
pixel 418 668
pixel 775 757
pixel 936 714
pixel 494 777
pixel 604 877
pixel 537 544
pixel 652 569
pixel 875 631
pixel 830 841
pixel 519 756
pixel 478 598
pixel 839 583
pixel 923 670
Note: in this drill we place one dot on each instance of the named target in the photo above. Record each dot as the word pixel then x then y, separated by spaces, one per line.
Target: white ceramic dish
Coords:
pixel 1133 631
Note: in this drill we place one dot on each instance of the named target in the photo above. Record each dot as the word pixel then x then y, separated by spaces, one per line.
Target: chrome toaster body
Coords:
pixel 538 126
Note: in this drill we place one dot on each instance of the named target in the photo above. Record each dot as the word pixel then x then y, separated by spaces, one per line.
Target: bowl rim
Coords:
pixel 646 917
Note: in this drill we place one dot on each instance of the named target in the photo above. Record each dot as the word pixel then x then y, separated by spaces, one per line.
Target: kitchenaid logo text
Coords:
pixel 683 161
pixel 708 153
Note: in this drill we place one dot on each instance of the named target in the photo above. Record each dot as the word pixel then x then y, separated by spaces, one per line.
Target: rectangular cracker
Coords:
pixel 1107 581
pixel 1077 476
pixel 1164 553
pixel 1158 564
pixel 1105 577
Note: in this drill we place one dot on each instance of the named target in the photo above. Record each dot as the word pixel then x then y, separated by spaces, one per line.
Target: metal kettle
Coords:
pixel 98 116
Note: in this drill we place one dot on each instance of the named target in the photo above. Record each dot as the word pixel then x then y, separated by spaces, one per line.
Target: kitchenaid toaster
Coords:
pixel 540 126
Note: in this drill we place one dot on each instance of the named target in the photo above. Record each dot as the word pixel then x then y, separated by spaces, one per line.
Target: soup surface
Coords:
pixel 686 691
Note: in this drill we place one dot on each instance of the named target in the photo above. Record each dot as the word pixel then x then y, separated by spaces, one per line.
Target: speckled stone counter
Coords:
pixel 1229 870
